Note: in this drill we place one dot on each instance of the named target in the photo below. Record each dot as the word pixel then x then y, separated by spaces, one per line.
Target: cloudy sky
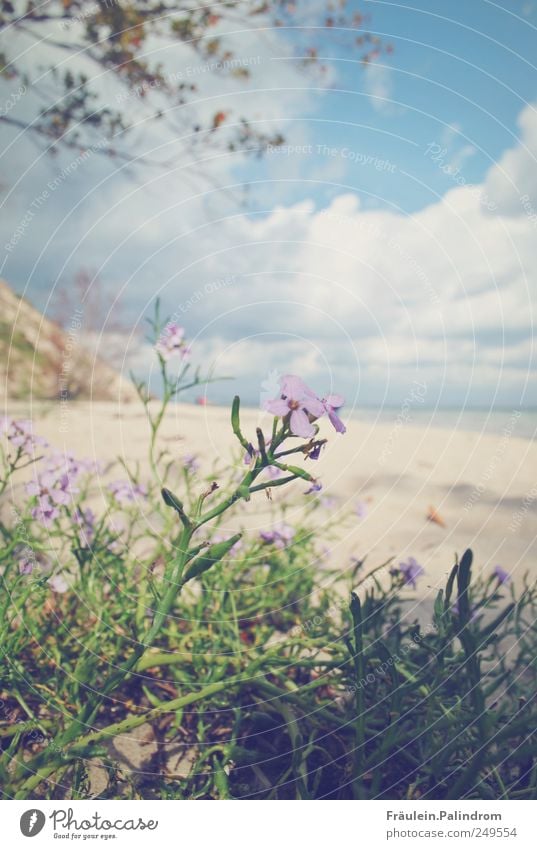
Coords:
pixel 389 241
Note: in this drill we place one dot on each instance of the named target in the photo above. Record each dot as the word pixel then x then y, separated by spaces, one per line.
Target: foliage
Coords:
pixel 121 40
pixel 228 648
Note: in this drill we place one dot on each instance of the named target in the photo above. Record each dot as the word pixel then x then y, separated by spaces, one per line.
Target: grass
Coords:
pixel 268 682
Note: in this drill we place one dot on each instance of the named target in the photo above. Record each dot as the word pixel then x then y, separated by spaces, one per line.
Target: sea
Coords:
pixel 521 423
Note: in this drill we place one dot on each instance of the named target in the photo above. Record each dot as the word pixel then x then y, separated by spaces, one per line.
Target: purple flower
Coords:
pixel 331 404
pixel 190 463
pixel 124 491
pixel 316 486
pixel 27 560
pixel 20 435
pixel 253 453
pixel 68 464
pixel 52 491
pixel 316 452
pixel 475 613
pixel 250 454
pixel 172 342
pixel 410 571
pixel 502 576
pixel 361 509
pixel 45 511
pixel 58 584
pixel 298 402
pixel 85 519
pixel 280 536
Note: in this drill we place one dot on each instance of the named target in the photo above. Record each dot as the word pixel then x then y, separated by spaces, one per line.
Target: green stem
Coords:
pixel 129 724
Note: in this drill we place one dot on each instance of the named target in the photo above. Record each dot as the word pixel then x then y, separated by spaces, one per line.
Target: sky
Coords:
pixel 387 244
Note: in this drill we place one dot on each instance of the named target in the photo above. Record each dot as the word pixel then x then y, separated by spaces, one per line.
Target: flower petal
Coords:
pixel 278 407
pixel 313 405
pixel 300 424
pixel 335 401
pixel 336 422
pixel 293 386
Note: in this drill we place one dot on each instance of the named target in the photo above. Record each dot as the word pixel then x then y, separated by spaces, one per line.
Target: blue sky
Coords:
pixel 460 75
pixel 391 241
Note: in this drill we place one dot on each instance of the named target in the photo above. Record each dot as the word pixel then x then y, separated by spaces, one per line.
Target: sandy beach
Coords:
pixel 382 480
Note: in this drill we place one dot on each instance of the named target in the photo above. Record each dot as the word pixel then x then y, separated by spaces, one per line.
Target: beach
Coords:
pixel 399 489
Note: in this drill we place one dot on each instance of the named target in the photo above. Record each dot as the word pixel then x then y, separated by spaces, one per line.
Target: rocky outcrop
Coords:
pixel 39 359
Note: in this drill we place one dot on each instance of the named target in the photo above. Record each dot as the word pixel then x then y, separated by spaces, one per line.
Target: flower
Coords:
pixel 361 509
pixel 52 491
pixel 27 560
pixel 315 453
pixel 475 613
pixel 124 491
pixel 85 519
pixel 410 571
pixel 172 342
pixel 58 584
pixel 298 402
pixel 190 463
pixel 68 464
pixel 235 548
pixel 20 435
pixel 280 536
pixel 316 486
pixel 251 454
pixel 331 404
pixel 502 576
pixel 45 511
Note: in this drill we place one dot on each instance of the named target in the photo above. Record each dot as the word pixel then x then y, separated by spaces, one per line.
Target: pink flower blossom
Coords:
pixel 85 519
pixel 410 571
pixel 124 491
pixel 52 491
pixel 361 509
pixel 27 560
pixel 20 435
pixel 280 536
pixel 58 584
pixel 331 404
pixel 252 454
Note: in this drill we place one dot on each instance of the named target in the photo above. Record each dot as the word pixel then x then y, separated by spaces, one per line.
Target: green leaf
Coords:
pixel 449 585
pixel 172 501
pixel 236 422
pixel 439 610
pixel 463 583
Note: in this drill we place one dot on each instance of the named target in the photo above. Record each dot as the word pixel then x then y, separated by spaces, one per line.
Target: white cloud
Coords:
pixel 350 297
pixel 512 182
pixel 369 300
